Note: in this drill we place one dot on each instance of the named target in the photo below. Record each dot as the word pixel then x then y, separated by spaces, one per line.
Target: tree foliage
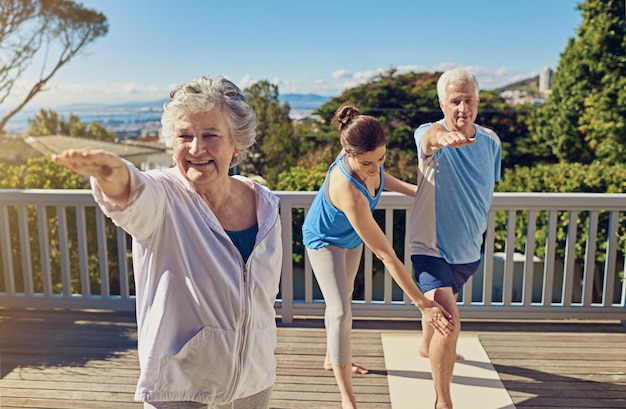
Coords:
pixel 584 118
pixel 399 101
pixel 302 179
pixel 402 102
pixel 28 27
pixel 562 178
pixel 47 122
pixel 42 173
pixel 276 148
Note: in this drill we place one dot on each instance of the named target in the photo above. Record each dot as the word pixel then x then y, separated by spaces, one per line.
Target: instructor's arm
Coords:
pixel 352 202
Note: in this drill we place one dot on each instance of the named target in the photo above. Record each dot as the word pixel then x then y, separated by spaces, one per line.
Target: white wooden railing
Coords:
pixel 51 258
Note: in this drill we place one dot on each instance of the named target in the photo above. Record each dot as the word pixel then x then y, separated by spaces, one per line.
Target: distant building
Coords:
pixel 545 80
pixel 16 150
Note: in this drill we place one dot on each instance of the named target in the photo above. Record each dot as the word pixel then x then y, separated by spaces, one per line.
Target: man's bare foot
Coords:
pixel 423 354
pixel 356 368
pixel 442 406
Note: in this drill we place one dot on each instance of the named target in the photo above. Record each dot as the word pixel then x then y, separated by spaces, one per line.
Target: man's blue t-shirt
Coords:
pixel 454 194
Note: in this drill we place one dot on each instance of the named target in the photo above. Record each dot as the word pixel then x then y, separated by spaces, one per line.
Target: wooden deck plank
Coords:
pixel 564 366
pixel 88 359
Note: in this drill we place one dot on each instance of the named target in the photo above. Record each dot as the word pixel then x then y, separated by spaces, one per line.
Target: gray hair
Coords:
pixel 204 94
pixel 455 76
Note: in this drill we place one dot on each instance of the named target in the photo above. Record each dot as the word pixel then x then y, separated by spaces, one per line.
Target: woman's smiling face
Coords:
pixel 203 146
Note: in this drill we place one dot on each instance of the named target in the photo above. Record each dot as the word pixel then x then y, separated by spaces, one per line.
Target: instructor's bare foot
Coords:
pixel 356 368
pixel 359 369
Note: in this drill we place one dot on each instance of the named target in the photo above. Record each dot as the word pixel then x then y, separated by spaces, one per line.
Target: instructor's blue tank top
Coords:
pixel 326 225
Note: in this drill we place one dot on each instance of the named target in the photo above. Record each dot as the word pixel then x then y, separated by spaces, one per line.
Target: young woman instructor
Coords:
pixel 339 221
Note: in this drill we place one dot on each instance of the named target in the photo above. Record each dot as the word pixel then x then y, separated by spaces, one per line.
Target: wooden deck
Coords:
pixel 87 359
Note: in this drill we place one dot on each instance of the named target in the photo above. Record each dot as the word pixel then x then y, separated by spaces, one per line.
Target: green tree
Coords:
pixel 30 26
pixel 401 102
pixel 276 147
pixel 318 144
pixel 510 123
pixel 563 178
pixel 47 122
pixel 73 127
pixel 99 132
pixel 302 179
pixel 583 119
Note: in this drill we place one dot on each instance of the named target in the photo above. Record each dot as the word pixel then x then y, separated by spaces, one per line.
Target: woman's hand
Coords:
pixel 435 315
pixel 109 170
pixel 97 163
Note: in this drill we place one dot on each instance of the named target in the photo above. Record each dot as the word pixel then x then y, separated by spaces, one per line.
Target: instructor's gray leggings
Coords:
pixel 260 400
pixel 335 269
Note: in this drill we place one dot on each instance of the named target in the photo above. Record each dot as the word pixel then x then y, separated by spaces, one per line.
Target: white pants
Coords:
pixel 335 269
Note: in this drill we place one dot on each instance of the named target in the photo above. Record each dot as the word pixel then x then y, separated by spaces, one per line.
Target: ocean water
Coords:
pixel 120 120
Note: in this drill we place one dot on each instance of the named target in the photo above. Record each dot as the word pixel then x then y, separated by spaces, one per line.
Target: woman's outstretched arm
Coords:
pixel 109 170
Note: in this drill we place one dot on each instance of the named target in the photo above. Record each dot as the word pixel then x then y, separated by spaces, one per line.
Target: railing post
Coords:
pixel 286 282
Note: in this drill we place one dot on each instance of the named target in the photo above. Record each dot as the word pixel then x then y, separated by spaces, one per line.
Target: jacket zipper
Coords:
pixel 241 339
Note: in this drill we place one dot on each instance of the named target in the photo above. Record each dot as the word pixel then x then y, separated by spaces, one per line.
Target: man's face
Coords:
pixel 460 108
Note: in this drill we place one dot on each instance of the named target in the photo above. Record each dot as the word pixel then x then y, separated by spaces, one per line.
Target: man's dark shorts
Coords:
pixel 434 272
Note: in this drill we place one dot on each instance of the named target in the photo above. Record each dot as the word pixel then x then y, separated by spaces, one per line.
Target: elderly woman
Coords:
pixel 206 253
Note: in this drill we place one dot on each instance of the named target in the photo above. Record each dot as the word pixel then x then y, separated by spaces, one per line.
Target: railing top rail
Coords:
pixel 49 197
pixel 570 201
pixel 502 200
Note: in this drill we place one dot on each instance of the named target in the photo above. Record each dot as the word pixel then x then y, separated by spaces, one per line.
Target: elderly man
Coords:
pixel 459 163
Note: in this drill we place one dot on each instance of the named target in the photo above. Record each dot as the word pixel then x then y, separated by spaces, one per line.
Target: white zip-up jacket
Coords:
pixel 205 319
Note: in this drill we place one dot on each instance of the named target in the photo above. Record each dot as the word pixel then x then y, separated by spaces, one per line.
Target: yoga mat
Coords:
pixel 475 383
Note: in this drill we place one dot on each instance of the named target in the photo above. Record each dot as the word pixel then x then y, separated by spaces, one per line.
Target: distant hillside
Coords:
pixel 529 84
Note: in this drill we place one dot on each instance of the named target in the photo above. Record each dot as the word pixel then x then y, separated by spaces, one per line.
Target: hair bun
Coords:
pixel 344 115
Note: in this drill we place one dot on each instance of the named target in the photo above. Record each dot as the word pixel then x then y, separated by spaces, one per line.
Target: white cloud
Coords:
pixel 403 69
pixel 488 78
pixel 59 94
pixel 341 74
pixel 246 81
pixel 288 87
pixel 444 66
pixel 351 84
pixel 366 75
pixel 502 71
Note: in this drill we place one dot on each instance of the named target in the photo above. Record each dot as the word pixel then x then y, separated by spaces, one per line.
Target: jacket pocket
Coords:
pixel 204 365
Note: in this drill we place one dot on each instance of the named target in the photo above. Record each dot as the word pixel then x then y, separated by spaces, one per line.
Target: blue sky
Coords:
pixel 320 47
